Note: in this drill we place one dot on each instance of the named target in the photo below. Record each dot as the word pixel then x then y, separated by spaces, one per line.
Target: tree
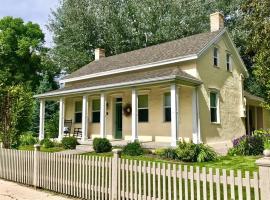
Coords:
pixel 119 26
pixel 21 46
pixel 257 25
pixel 16 109
pixel 23 63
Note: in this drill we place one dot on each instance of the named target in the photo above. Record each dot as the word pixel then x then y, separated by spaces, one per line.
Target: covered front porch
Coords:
pixel 163 113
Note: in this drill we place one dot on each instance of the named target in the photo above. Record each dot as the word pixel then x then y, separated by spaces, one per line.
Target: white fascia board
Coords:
pixel 116 85
pixel 132 68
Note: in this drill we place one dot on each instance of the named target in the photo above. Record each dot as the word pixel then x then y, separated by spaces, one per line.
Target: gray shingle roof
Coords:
pixel 127 79
pixel 168 50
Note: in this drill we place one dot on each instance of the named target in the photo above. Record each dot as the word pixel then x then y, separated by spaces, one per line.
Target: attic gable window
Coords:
pixel 229 62
pixel 215 56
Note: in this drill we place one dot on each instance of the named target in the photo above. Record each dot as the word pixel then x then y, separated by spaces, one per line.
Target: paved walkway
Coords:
pixel 13 191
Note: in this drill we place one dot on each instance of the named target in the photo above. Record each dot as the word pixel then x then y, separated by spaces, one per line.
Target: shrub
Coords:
pixel 266 144
pixel 190 152
pixel 206 153
pixel 168 153
pixel 69 142
pixel 28 138
pixel 187 152
pixel 47 143
pixel 133 149
pixel 248 146
pixel 102 145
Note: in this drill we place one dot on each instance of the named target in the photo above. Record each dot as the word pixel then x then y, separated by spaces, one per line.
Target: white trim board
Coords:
pixel 117 85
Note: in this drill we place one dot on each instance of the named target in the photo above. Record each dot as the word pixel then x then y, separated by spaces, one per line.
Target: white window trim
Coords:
pixel 143 108
pixel 217 57
pixel 76 112
pixel 164 106
pixel 217 106
pixel 230 62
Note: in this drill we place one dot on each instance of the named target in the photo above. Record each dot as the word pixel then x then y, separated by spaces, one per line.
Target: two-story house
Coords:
pixel 190 88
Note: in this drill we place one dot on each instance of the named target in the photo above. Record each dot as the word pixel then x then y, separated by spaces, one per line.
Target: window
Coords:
pixel 214 107
pixel 167 107
pixel 229 62
pixel 143 108
pixel 78 112
pixel 96 111
pixel 215 56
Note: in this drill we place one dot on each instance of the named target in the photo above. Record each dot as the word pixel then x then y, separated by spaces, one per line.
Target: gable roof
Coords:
pixel 175 51
pixel 127 80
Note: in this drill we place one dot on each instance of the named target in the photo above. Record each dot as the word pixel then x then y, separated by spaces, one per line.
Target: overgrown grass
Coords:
pixel 42 149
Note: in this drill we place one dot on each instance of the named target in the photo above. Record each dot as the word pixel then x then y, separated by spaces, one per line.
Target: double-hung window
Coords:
pixel 229 62
pixel 143 112
pixel 215 56
pixel 95 110
pixel 214 107
pixel 167 107
pixel 78 112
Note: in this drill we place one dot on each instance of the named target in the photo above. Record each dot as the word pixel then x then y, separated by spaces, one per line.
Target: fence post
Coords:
pixel 264 177
pixel 36 157
pixel 1 145
pixel 115 167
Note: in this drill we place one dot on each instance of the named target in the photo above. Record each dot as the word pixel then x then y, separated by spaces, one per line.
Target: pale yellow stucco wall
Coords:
pixel 229 85
pixel 266 119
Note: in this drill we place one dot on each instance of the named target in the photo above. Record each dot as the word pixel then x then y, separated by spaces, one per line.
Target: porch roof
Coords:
pixel 125 80
pixel 252 99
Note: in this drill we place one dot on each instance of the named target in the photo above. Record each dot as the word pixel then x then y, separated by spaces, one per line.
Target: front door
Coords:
pixel 118 118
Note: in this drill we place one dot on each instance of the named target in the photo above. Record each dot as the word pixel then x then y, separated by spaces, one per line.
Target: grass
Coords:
pixel 244 163
pixel 42 149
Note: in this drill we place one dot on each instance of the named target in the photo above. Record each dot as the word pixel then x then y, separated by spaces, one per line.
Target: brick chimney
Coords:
pixel 99 53
pixel 216 21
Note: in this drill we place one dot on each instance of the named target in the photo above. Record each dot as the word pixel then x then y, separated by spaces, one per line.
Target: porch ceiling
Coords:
pixel 126 80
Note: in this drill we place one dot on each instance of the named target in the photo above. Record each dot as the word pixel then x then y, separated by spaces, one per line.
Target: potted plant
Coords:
pixel 266 151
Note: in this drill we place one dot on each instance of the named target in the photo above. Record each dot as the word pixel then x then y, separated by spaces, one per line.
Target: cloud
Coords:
pixel 37 11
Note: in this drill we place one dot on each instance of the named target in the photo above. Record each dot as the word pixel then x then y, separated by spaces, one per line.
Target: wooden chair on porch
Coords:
pixel 78 132
pixel 67 127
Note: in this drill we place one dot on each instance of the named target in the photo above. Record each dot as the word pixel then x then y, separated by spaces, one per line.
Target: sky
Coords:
pixel 37 11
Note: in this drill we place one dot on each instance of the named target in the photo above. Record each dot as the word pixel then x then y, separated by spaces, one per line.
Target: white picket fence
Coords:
pixel 101 178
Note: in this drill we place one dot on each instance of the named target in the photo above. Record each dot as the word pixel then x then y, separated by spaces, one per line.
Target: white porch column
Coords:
pixel 41 119
pixel 174 114
pixel 134 115
pixel 85 118
pixel 61 118
pixel 102 115
pixel 196 132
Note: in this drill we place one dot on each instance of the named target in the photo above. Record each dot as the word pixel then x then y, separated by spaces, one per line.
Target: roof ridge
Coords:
pixel 159 44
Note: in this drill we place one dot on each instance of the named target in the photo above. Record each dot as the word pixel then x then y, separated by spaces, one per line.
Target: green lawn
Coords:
pixel 42 149
pixel 244 163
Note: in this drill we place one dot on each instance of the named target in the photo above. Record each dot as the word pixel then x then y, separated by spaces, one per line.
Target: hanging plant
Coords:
pixel 127 110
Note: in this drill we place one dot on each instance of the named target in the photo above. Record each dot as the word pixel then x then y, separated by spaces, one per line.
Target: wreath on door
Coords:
pixel 127 110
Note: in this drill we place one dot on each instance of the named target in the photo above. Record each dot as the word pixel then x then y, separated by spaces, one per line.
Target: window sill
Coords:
pixel 215 123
